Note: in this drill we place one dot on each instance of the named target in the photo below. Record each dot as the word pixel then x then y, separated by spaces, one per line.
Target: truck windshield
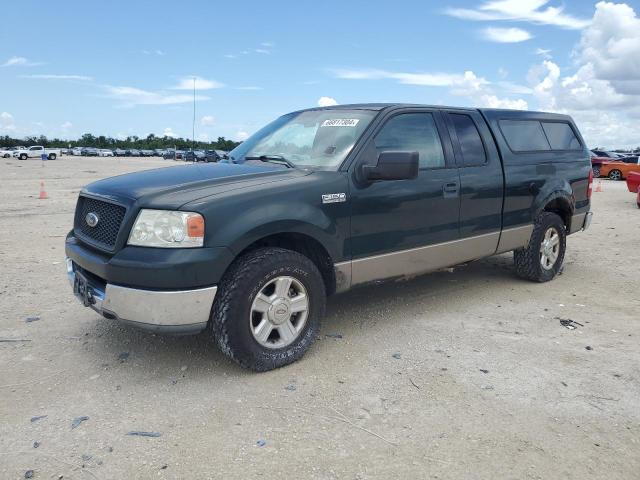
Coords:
pixel 314 138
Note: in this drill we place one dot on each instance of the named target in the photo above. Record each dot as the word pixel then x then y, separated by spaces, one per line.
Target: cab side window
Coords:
pixel 471 145
pixel 412 132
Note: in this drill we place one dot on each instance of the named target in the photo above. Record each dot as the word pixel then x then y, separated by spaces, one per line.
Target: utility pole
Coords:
pixel 193 125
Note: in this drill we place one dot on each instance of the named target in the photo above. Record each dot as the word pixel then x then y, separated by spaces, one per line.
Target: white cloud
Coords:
pixel 603 92
pixel 59 77
pixel 544 53
pixel 532 11
pixel 159 53
pixel 66 125
pixel 467 84
pixel 19 62
pixel 241 135
pixel 6 123
pixel 267 44
pixel 168 132
pixel 187 83
pixel 505 35
pixel 326 101
pixel 612 46
pixel 207 120
pixel 424 79
pixel 262 51
pixel 130 96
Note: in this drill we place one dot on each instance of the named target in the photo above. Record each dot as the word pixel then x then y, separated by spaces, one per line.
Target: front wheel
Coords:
pixel 23 156
pixel 542 258
pixel 596 172
pixel 268 308
pixel 615 175
pixel 52 156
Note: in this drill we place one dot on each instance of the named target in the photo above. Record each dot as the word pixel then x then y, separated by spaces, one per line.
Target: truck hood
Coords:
pixel 172 187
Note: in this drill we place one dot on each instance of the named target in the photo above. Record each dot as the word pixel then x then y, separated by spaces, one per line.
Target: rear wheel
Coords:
pixel 268 308
pixel 542 259
pixel 615 175
pixel 23 156
pixel 52 156
pixel 596 172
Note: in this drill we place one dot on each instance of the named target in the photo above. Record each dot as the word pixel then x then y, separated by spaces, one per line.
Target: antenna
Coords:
pixel 193 125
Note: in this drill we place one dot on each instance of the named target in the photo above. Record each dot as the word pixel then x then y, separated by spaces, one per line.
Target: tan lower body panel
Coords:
pixel 512 238
pixel 416 261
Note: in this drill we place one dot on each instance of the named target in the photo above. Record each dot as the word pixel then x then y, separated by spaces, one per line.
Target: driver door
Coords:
pixel 405 227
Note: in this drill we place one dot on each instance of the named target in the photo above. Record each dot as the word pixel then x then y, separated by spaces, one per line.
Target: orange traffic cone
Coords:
pixel 599 186
pixel 43 193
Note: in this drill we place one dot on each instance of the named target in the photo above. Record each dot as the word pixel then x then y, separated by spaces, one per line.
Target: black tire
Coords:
pixel 528 260
pixel 6 155
pixel 52 156
pixel 596 172
pixel 231 314
pixel 615 175
pixel 23 156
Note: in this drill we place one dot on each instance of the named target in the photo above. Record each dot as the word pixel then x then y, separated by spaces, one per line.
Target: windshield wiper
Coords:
pixel 273 158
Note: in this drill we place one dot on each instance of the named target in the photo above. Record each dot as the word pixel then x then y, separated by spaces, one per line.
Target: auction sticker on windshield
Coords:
pixel 341 122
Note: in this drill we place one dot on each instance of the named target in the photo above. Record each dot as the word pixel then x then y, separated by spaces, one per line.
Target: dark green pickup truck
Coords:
pixel 320 201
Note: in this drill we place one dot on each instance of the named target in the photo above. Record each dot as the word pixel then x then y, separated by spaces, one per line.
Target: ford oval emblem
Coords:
pixel 92 219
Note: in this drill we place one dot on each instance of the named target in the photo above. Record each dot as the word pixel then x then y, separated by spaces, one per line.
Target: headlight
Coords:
pixel 167 229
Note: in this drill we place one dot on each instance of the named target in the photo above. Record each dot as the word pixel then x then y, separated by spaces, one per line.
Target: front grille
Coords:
pixel 105 233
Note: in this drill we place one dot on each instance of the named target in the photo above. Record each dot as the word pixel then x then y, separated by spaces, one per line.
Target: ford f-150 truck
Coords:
pixel 318 202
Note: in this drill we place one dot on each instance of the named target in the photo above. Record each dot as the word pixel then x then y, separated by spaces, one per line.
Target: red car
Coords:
pixel 633 184
pixel 596 163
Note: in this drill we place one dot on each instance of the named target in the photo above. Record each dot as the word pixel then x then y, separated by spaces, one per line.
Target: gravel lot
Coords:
pixel 463 374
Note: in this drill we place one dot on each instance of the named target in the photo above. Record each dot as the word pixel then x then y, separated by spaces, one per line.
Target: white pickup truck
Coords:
pixel 36 151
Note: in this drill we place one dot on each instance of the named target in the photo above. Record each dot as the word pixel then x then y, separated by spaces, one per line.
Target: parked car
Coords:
pixel 6 153
pixel 633 184
pixel 195 156
pixel 179 155
pixel 119 152
pixel 612 156
pixel 147 153
pixel 65 151
pixel 596 162
pixel 37 151
pixel 105 152
pixel 169 154
pixel 249 251
pixel 215 155
pixel 159 152
pixel 90 152
pixel 77 151
pixel 133 152
pixel 618 170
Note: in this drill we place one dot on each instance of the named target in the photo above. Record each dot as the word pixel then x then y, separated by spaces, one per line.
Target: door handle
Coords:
pixel 450 189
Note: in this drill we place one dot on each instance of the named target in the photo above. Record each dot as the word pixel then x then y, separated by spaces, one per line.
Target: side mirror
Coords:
pixel 393 166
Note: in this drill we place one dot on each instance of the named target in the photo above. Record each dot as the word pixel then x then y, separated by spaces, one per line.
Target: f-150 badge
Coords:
pixel 334 197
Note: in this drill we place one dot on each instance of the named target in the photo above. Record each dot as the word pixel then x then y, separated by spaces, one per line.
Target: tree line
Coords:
pixel 151 142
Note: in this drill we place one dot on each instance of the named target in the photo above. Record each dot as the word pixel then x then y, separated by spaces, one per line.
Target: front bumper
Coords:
pixel 170 311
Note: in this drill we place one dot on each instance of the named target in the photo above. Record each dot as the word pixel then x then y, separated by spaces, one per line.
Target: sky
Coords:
pixel 123 68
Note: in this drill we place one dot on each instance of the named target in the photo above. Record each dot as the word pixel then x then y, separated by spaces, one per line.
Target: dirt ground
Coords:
pixel 463 374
